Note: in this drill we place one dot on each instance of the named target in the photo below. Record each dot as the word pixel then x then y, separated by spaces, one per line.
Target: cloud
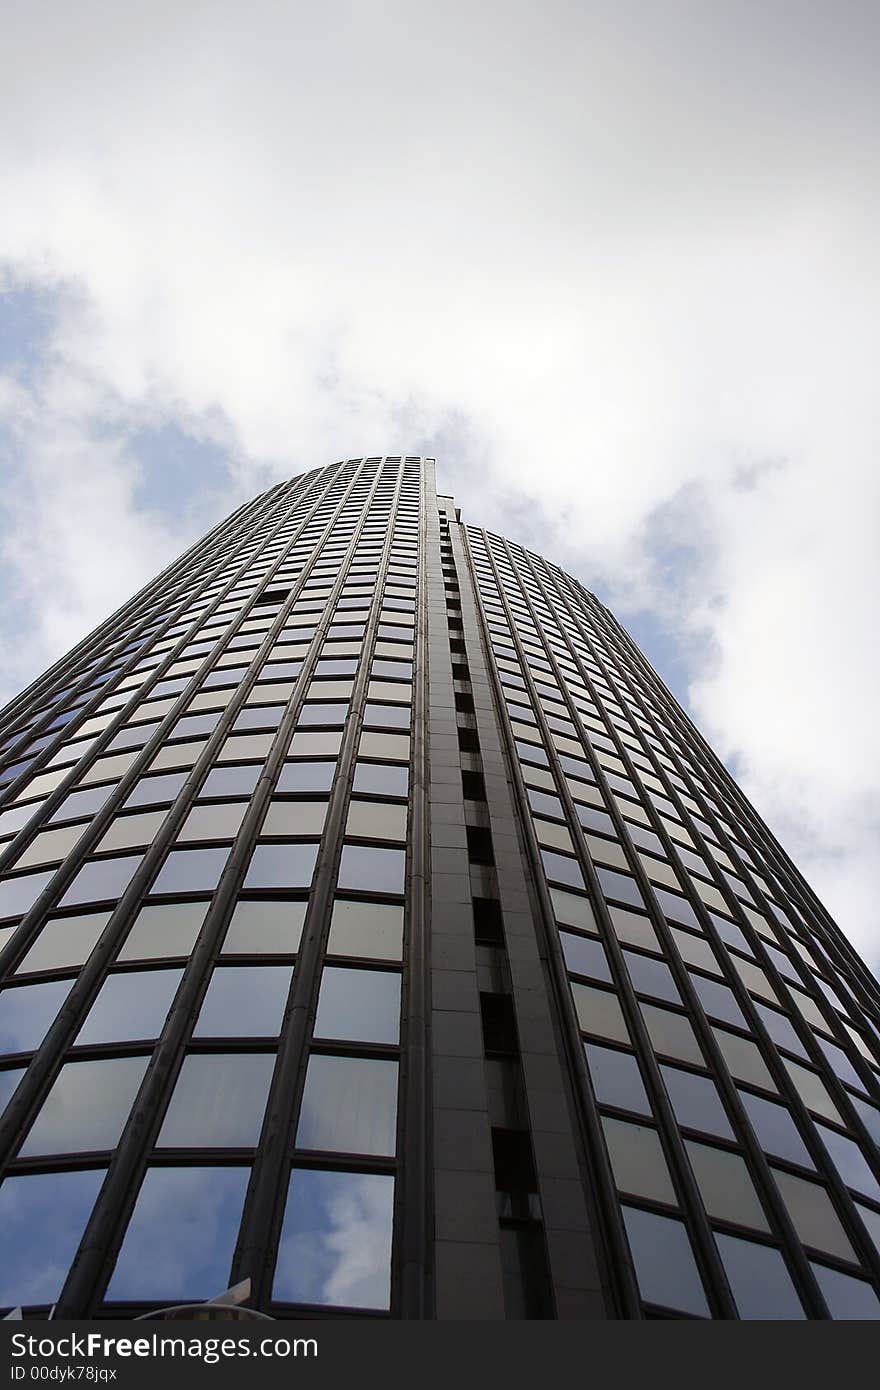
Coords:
pixel 615 266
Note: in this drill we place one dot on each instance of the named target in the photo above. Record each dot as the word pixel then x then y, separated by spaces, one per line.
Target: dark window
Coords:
pixel 514 1164
pixel 468 741
pixel 488 921
pixel 479 845
pixel 499 1024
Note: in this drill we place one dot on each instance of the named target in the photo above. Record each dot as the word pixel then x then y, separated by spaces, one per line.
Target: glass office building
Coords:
pixel 374 925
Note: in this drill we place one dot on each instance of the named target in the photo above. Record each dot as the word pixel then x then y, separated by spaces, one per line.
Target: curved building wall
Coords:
pixel 375 926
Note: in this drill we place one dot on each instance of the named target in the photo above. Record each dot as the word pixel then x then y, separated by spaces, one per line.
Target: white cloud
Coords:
pixel 619 255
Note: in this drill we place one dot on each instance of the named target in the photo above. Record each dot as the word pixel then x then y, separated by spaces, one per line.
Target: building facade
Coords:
pixel 376 927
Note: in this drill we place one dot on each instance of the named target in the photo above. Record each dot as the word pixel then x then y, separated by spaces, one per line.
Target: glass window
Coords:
pixel 126 832
pixel 360 1005
pixel 26 1013
pixel 261 717
pixel 743 1059
pixel 309 744
pixel 616 1078
pixel 294 818
pixel 191 871
pixel 665 1267
pixel 371 930
pixel 573 910
pixel 848 1299
pixel 371 869
pixel 130 1006
pixel 231 781
pixel 244 1001
pixel 181 1235
pixel 759 1281
pixel 376 820
pixel 50 846
pixel 349 1105
pixel 776 1130
pixel 281 866
pixel 42 1218
pixel 725 1186
pixel 718 1001
pixel 672 1034
pixel 213 822
pixel 622 887
pixel 585 956
pixel 599 1011
pixel 166 929
pixel 330 1215
pixel 87 1107
pixel 381 779
pixel 218 1101
pixel 781 1030
pixel 329 714
pixel 265 926
pixel 651 977
pixel 151 791
pixel 18 895
pixel 63 942
pixel 101 880
pixel 696 1102
pixel 637 1160
pixel 813 1215
pixel 561 869
pixel 812 1091
pixel 634 928
pixel 850 1163
pixel 306 777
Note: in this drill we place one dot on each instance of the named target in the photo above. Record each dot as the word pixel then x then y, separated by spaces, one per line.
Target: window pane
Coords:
pixel 651 977
pixel 671 1034
pixel 362 1005
pixel 294 818
pixel 848 1299
pixel 335 1246
pixel 152 791
pixel 42 1218
pixel 637 1160
pixel 27 1013
pixel 381 779
pixel 213 822
pixel 64 941
pixel 265 927
pixel 776 1130
pixel 244 1001
pixel 181 1235
pixel 375 820
pixel 759 1281
pixel 130 1006
pixel 725 1186
pixel 665 1266
pixel 573 911
pixel 218 1101
pixel 718 1001
pixel 372 870
pixel 349 1105
pixel 599 1011
pixel 812 1214
pixel 616 1078
pixel 166 929
pixel 850 1162
pixel 696 1102
pixel 306 777
pixel 231 781
pixel 87 1107
pixel 126 832
pixel 281 866
pixel 101 880
pixel 743 1059
pixel 191 871
pixel 372 930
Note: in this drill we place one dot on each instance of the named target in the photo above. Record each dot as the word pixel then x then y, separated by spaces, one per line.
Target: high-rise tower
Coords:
pixel 374 925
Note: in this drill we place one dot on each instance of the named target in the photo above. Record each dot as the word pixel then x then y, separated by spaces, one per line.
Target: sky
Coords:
pixel 615 265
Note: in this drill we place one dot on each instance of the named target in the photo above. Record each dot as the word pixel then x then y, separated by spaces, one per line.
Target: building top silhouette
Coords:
pixel 375 927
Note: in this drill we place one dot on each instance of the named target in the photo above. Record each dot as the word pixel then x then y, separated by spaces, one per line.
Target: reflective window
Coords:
pixel 152 791
pixel 191 871
pixel 743 1059
pixel 599 1012
pixel 622 887
pixel 665 1267
pixel 759 1281
pixel 306 777
pixel 361 1005
pixel 616 1078
pixel 376 820
pixel 213 822
pixel 634 928
pixel 9 1079
pixel 231 781
pixel 63 942
pixel 776 1130
pixel 672 1034
pixel 813 1215
pixel 850 1162
pixel 294 818
pixel 848 1299
pixel 27 1013
pixel 637 1160
pixel 651 977
pixel 126 832
pixel 281 866
pixel 218 1101
pixel 181 1235
pixel 696 1102
pixel 42 1218
pixel 166 929
pixel 265 926
pixel 18 895
pixel 130 1006
pixel 585 956
pixel 572 910
pixel 371 869
pixel 725 1185
pixel 381 779
pixel 50 846
pixel 349 1105
pixel 244 1001
pixel 372 930
pixel 328 1217
pixel 87 1107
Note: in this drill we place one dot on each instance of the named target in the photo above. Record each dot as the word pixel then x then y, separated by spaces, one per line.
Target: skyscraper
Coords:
pixel 375 926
